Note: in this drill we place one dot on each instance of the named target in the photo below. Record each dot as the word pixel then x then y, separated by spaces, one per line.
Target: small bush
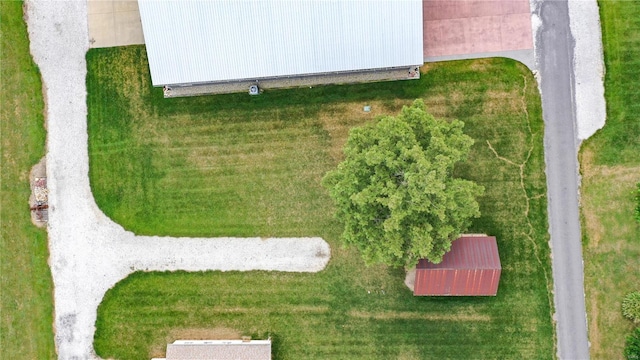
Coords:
pixel 631 306
pixel 632 348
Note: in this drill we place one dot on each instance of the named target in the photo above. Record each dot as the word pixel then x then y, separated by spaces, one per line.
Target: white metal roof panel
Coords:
pixel 215 40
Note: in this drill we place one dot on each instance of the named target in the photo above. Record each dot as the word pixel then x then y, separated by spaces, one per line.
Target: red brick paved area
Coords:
pixel 456 27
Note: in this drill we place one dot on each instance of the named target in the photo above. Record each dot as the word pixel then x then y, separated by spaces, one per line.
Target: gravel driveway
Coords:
pixel 89 253
pixel 569 58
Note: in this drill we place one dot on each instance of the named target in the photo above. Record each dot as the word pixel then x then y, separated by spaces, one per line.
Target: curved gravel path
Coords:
pixel 89 253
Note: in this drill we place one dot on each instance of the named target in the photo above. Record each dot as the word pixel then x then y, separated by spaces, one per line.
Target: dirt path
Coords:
pixel 89 253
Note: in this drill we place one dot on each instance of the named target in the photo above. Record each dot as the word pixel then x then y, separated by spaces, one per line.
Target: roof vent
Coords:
pixel 254 90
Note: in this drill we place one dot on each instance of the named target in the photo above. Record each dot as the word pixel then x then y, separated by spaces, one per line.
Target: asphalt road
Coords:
pixel 555 44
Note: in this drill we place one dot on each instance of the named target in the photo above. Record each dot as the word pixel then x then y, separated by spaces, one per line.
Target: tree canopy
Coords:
pixel 395 190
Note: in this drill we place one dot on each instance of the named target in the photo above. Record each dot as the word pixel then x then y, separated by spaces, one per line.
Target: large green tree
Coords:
pixel 395 191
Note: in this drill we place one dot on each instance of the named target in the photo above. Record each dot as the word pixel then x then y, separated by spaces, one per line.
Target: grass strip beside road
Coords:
pixel 26 330
pixel 610 168
pixel 618 143
pixel 235 165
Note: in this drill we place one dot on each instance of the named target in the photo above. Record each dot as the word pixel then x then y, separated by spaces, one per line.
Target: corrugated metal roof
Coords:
pixel 472 267
pixel 219 40
pixel 468 252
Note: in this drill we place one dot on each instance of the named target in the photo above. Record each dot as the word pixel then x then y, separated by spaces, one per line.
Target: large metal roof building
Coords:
pixel 199 42
pixel 471 268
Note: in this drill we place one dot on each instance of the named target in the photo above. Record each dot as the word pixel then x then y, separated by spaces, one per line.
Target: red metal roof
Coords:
pixel 471 268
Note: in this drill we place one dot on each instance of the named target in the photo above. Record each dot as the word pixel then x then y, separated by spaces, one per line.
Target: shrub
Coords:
pixel 632 348
pixel 631 306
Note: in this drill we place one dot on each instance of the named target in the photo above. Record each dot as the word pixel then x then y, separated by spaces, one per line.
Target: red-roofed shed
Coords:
pixel 471 268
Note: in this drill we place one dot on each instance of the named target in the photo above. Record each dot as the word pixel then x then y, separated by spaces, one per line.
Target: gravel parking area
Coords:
pixel 588 64
pixel 89 253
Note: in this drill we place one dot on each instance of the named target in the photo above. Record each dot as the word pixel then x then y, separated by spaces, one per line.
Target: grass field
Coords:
pixel 26 316
pixel 610 166
pixel 236 165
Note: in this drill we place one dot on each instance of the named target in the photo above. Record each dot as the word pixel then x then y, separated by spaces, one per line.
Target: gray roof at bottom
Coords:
pixel 219 350
pixel 208 41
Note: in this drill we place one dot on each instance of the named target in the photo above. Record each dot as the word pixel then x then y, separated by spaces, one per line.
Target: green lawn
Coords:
pixel 610 166
pixel 620 140
pixel 26 330
pixel 237 165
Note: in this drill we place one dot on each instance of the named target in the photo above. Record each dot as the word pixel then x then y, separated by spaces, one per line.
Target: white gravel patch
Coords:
pixel 536 25
pixel 89 253
pixel 588 61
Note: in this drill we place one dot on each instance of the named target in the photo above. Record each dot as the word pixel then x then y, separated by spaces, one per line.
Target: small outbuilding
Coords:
pixel 218 350
pixel 471 268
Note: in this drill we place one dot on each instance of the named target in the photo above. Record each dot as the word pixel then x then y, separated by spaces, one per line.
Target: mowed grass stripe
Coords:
pixel 235 165
pixel 621 38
